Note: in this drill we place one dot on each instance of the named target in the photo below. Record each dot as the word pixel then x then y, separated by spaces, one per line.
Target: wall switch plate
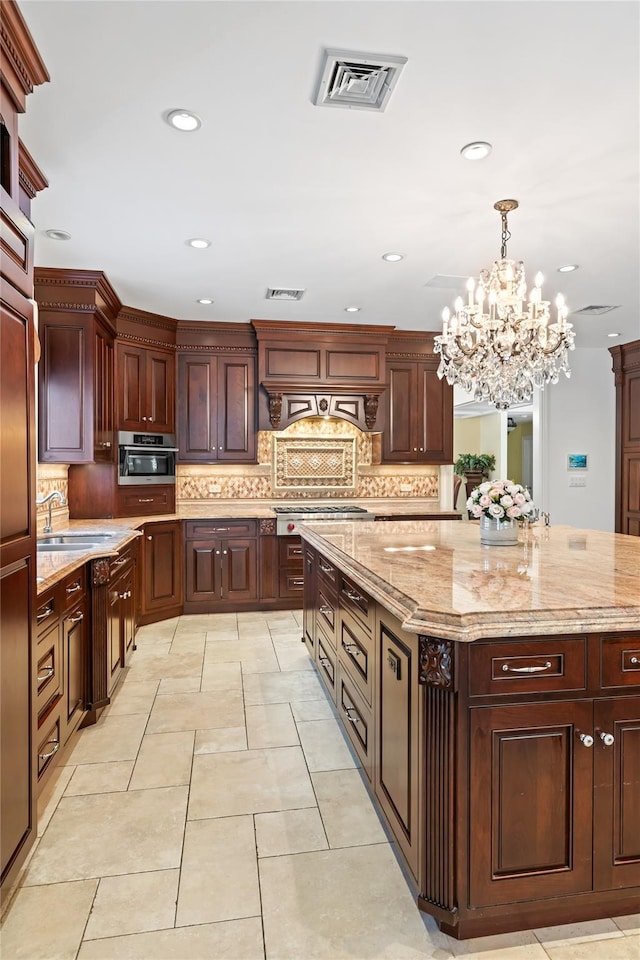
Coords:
pixel 577 481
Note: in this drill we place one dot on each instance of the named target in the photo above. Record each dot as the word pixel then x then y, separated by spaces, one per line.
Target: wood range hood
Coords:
pixel 322 370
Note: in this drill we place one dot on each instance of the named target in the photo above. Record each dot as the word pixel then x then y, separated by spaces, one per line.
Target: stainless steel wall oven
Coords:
pixel 146 458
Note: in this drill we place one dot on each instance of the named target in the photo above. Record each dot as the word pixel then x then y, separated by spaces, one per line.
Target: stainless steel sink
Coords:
pixel 73 541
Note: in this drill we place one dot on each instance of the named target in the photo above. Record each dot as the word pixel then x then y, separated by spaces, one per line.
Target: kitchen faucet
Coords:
pixel 55 494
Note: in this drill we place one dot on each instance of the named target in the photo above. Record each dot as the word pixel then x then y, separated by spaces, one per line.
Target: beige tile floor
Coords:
pixel 216 812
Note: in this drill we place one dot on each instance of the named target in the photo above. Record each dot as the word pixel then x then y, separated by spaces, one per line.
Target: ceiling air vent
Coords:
pixel 358 81
pixel 594 310
pixel 281 293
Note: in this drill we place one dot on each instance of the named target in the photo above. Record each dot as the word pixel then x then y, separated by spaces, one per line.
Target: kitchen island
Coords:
pixel 492 696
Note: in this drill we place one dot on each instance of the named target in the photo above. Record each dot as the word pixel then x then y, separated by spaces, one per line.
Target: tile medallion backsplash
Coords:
pixel 313 458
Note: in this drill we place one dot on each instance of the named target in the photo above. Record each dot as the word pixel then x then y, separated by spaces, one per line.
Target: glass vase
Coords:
pixel 498 533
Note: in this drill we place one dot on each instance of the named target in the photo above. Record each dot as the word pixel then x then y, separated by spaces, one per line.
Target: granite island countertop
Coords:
pixel 437 578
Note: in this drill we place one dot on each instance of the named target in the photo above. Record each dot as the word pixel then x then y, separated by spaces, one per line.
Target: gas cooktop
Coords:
pixel 287 516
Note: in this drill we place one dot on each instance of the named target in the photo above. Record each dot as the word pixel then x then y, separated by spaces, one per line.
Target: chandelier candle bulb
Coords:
pixel 471 285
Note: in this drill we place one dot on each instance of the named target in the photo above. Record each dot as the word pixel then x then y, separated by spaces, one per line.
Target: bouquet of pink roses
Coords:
pixel 500 500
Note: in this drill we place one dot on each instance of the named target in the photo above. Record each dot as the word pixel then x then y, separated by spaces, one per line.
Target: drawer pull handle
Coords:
pixel 508 669
pixel 326 568
pixel 324 661
pixel 48 675
pixel 74 588
pixel 47 613
pixel 607 738
pixel 587 739
pixel 354 596
pixel 118 563
pixel 352 649
pixel 297 583
pixel 145 499
pixel 324 609
pixel 635 661
pixel 56 747
pixel 76 619
pixel 295 552
pixel 348 710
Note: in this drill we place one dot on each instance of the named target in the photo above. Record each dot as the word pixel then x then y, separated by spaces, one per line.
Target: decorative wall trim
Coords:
pixel 100 572
pixel 436 663
pixel 58 307
pixel 20 55
pixel 267 526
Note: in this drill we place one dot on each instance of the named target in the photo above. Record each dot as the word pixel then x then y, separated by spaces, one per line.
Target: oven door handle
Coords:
pixel 124 446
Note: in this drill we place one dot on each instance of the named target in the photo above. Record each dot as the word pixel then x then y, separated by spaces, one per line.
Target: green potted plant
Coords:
pixel 474 467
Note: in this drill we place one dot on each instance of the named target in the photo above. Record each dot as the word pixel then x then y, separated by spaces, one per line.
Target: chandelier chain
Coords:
pixel 506 235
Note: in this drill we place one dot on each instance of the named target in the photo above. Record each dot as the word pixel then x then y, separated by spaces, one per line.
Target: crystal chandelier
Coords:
pixel 498 344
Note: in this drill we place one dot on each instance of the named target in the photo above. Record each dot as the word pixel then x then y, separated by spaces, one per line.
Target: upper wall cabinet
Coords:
pixel 146 389
pixel 77 310
pixel 145 371
pixel 418 406
pixel 216 408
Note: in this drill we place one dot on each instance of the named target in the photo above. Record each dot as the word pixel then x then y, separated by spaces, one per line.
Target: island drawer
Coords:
pixel 357 720
pixel 328 573
pixel 327 612
pixel 355 650
pixel 527 666
pixel 357 602
pixel 620 661
pixel 326 664
pixel 202 529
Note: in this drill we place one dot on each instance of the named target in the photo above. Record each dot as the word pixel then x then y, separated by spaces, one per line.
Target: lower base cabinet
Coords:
pixel 160 573
pixel 221 565
pixel 62 643
pixel 507 770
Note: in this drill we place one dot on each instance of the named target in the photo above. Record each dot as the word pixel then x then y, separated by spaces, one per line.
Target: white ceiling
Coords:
pixel 297 195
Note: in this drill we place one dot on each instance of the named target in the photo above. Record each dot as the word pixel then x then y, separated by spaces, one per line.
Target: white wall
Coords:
pixel 579 416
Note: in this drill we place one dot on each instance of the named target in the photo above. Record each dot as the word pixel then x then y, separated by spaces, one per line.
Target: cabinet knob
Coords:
pixel 149 538
pixel 144 418
pixel 607 738
pixel 415 449
pixel 587 739
pixel 217 553
pixel 635 661
pixel 219 448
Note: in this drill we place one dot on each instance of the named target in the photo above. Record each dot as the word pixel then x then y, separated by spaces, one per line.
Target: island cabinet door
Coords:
pixel 531 791
pixel 397 774
pixel 616 814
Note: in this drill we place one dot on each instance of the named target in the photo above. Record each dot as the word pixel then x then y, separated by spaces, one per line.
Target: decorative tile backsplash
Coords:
pixel 313 458
pixel 317 464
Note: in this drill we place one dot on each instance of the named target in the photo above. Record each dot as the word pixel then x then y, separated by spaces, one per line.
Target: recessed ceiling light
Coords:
pixel 613 334
pixel 352 309
pixel 58 234
pixel 477 150
pixel 204 300
pixel 392 257
pixel 199 243
pixel 183 120
pixel 568 268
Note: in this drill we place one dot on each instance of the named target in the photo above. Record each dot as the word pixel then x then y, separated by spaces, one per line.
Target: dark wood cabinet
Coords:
pixel 507 770
pixel 309 597
pixel 418 406
pixel 145 388
pixel 221 564
pixel 77 309
pixel 121 606
pixel 419 414
pixel 161 572
pixel 216 408
pixel 21 70
pixel 626 367
pixel 63 637
pixel 138 500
